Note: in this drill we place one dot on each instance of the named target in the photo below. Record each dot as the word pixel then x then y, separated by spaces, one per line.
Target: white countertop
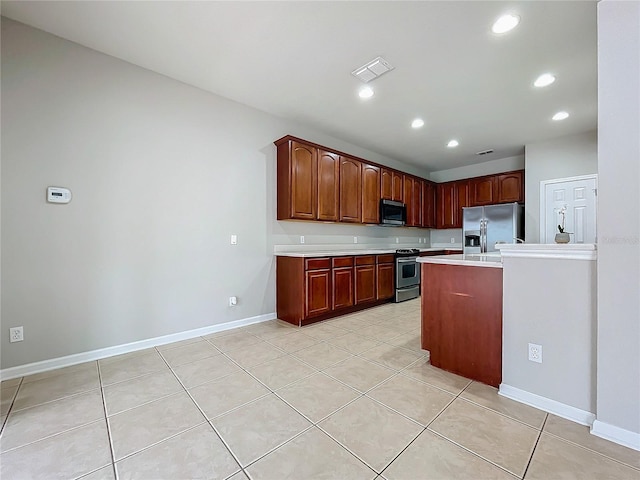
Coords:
pixel 566 251
pixel 338 253
pixel 491 260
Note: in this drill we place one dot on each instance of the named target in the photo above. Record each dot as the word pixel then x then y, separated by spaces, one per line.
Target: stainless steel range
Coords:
pixel 407 274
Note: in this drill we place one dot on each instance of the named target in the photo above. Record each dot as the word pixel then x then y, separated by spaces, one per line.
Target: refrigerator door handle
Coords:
pixel 483 237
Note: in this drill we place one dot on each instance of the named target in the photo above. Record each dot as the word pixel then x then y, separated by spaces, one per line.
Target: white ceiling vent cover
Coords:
pixel 485 152
pixel 372 70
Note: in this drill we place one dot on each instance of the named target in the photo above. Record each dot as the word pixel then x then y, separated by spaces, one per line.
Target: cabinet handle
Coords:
pixel 461 294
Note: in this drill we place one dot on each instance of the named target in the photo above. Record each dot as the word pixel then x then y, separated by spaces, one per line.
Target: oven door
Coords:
pixel 407 272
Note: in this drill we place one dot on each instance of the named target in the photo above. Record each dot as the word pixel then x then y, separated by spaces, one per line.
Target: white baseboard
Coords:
pixel 615 434
pixel 46 365
pixel 552 406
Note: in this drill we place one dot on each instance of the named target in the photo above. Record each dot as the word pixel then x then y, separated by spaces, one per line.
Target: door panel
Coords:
pixel 365 283
pixel 578 199
pixel 328 186
pixel 370 194
pixel 350 190
pixel 303 181
pixel 342 287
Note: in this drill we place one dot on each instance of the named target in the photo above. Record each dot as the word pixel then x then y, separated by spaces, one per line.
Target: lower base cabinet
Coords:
pixel 313 289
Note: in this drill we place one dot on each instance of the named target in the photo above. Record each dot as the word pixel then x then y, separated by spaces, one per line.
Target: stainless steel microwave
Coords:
pixel 392 213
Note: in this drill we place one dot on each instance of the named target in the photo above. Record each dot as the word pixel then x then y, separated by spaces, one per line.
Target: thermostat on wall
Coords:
pixel 58 195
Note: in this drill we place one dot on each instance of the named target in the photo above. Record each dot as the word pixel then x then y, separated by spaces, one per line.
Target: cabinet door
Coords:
pixel 385 281
pixel 428 204
pixel 482 191
pixel 342 287
pixel 386 184
pixel 303 181
pixel 328 185
pixel 370 194
pixel 318 292
pixel 407 183
pixel 365 283
pixel 416 201
pixel 510 187
pixel 445 215
pixel 398 190
pixel 350 190
pixel 461 199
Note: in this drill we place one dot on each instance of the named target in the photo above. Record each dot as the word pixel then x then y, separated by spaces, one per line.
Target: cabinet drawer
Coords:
pixel 390 258
pixel 317 263
pixel 366 260
pixel 342 262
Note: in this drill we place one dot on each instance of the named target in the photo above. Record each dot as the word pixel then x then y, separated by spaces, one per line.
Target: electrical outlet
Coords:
pixel 535 353
pixel 16 334
pixel 355 239
pixel 453 240
pixel 233 301
pixel 234 239
pixel 301 238
pixel 397 240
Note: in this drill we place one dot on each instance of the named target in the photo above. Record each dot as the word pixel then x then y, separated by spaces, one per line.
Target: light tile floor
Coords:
pixel 350 398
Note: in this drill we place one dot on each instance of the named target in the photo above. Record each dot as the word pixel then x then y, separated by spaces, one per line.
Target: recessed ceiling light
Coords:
pixel 452 143
pixel 505 23
pixel 560 116
pixel 544 80
pixel 365 92
pixel 417 123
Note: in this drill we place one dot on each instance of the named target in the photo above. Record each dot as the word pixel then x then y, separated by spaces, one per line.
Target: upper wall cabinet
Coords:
pixel 328 186
pixel 502 188
pixel 452 197
pixel 371 182
pixel 391 185
pixel 428 204
pixel 350 190
pixel 297 181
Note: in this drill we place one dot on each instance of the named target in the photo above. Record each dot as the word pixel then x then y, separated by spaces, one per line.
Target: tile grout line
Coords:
pixel 15 395
pixel 535 445
pixel 106 420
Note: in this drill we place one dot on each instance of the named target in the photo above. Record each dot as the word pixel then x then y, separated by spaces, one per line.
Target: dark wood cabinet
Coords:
pixel 370 194
pixel 385 276
pixel 365 283
pixel 386 184
pixel 318 290
pixel 452 196
pixel 510 187
pixel 297 181
pixel 428 204
pixel 328 186
pixel 398 188
pixel 412 187
pixel 343 283
pixel 350 190
pixel 501 188
pixel 462 320
pixel 482 191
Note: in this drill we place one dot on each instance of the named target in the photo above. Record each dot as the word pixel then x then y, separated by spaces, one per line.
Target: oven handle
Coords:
pixel 407 260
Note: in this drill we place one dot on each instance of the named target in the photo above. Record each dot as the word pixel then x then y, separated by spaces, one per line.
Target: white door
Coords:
pixel 574 197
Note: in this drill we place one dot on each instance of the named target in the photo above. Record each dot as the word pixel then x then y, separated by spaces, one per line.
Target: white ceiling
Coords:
pixel 294 60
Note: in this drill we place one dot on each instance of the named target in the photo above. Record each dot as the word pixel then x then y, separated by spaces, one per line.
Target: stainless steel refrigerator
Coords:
pixel 485 227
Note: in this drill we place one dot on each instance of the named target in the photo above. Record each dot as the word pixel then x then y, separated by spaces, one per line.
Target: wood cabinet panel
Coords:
pixel 297 181
pixel 328 186
pixel 428 204
pixel 398 187
pixel 416 202
pixel 370 194
pixel 317 263
pixel 409 199
pixel 482 191
pixel 365 283
pixel 386 258
pixel 343 285
pixel 337 262
pixel 446 203
pixel 318 292
pixel 510 187
pixel 350 190
pixel 385 280
pixel 386 184
pixel 365 260
pixel 462 198
pixel 462 320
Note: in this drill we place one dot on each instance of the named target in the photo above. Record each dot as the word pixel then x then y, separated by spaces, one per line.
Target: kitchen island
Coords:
pixel 462 314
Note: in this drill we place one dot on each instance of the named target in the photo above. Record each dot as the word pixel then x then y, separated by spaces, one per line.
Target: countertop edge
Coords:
pixel 568 251
pixel 339 253
pixel 460 260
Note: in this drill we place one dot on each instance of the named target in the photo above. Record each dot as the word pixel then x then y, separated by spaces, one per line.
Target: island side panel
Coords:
pixel 462 320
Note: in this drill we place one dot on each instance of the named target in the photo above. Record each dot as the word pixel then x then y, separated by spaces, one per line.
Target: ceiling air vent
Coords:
pixel 372 70
pixel 485 152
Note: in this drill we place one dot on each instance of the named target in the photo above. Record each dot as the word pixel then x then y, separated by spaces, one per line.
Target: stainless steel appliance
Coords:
pixel 392 213
pixel 485 227
pixel 407 274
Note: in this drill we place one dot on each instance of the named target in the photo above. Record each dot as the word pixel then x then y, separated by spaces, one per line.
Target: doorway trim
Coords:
pixel 543 202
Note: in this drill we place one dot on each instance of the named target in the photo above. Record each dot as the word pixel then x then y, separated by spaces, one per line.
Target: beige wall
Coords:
pixel 563 157
pixel 619 218
pixel 479 169
pixel 162 174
